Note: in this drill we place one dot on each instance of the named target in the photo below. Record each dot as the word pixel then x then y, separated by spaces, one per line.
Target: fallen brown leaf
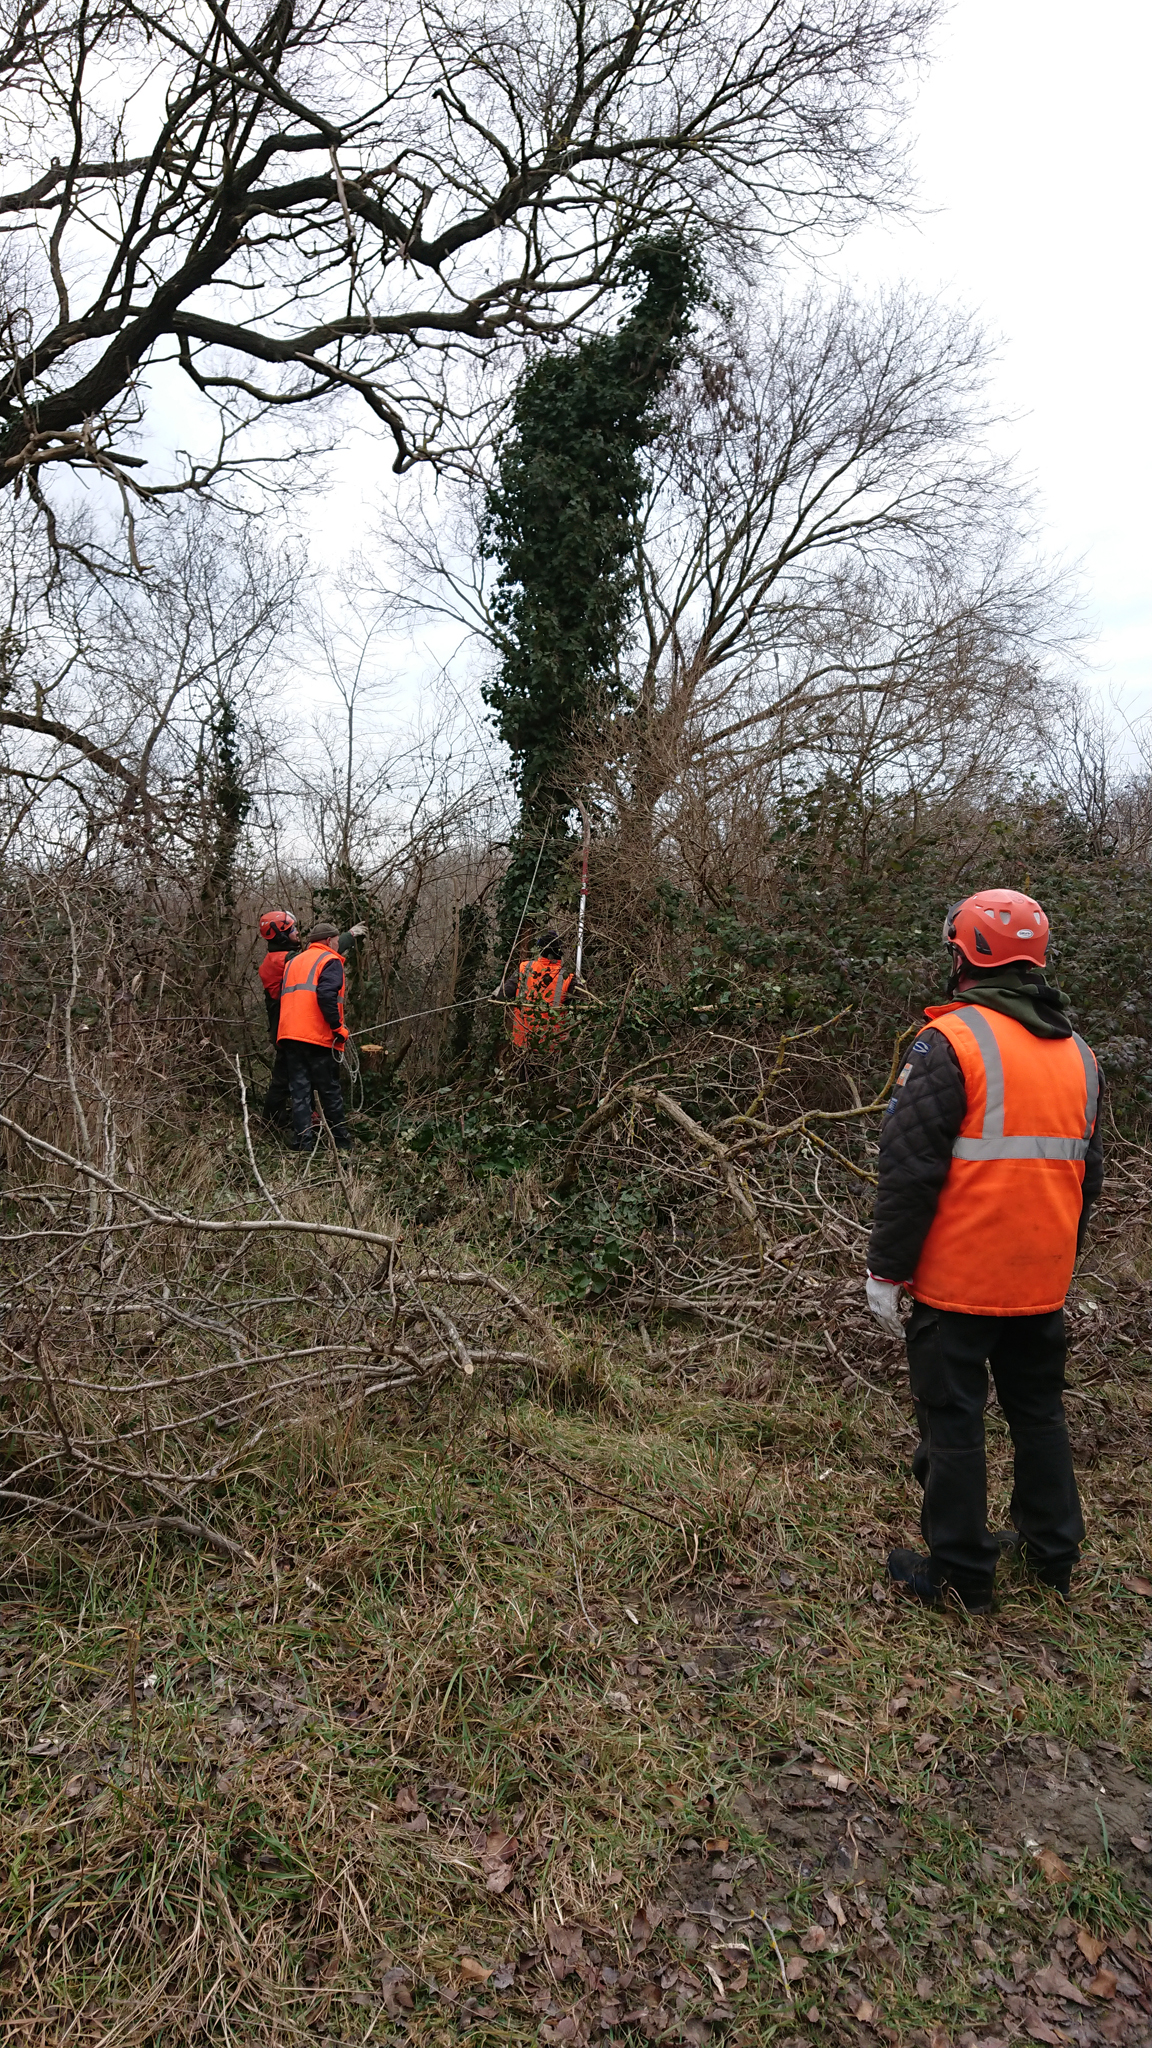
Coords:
pixel 472 1971
pixel 813 1940
pixel 565 1941
pixel 836 1907
pixel 860 2007
pixel 1039 2030
pixel 395 1992
pixel 716 1845
pixel 1053 1867
pixel 406 1800
pixel 833 1779
pixel 641 1928
pixel 1089 1947
pixel 1103 1984
pixel 794 1968
pixel 1053 1983
pixel 497 1861
pixel 566 2029
pixel 1138 1585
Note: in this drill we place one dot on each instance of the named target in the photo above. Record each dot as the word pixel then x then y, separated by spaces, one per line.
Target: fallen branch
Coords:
pixel 574 1479
pixel 173 1219
pixel 184 1524
pixel 762 1135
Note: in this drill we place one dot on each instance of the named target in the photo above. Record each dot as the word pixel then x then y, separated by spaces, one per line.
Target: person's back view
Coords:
pixel 313 1032
pixel 278 930
pixel 990 1161
pixel 541 993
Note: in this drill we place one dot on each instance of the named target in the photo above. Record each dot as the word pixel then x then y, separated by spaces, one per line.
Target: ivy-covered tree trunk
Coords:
pixel 226 804
pixel 559 520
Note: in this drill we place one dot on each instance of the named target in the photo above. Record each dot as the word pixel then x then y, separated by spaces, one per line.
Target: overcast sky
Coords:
pixel 1030 149
pixel 1032 156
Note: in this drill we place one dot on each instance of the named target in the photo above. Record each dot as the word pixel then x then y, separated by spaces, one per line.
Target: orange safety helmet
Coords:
pixel 997 926
pixel 277 924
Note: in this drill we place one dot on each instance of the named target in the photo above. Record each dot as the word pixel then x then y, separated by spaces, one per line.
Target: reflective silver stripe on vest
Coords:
pixel 297 988
pixel 992 1144
pixel 1091 1083
pixel 558 991
pixel 982 1032
pixel 1020 1148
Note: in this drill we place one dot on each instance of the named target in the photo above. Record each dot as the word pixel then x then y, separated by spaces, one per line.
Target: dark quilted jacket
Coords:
pixel 923 1119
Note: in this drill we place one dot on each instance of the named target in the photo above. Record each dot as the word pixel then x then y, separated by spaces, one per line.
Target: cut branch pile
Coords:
pixel 794 1198
pixel 148 1353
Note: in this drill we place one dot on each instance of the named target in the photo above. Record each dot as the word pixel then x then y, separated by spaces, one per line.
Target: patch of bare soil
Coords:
pixel 1028 1800
pixel 1037 1793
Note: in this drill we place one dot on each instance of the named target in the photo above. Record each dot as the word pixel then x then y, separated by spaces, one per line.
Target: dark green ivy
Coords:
pixel 560 521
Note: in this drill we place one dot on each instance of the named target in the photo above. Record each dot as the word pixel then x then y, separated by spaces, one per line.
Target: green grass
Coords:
pixel 223 1857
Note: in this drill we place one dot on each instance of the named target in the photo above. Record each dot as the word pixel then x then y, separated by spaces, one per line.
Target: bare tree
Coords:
pixel 833 573
pixel 834 576
pixel 116 694
pixel 287 203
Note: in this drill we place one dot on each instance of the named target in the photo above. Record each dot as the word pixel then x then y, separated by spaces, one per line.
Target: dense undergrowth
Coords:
pixel 504 1649
pixel 574 1706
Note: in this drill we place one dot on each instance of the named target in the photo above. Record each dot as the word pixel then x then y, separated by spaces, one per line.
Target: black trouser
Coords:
pixel 313 1067
pixel 279 1090
pixel 948 1357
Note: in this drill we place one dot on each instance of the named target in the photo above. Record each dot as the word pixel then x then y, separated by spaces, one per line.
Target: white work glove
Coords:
pixel 884 1302
pixel 357 931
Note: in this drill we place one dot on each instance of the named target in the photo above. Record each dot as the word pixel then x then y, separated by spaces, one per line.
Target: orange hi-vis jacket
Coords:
pixel 271 972
pixel 300 1014
pixel 1003 1239
pixel 540 996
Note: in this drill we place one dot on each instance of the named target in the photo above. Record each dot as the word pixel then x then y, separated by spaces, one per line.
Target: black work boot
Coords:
pixel 1058 1578
pixel 912 1574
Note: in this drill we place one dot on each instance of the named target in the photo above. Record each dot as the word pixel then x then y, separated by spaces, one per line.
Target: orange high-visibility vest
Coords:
pixel 1003 1239
pixel 271 972
pixel 542 991
pixel 300 1013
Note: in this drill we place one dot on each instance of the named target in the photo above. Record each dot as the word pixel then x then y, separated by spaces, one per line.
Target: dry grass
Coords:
pixel 498 1677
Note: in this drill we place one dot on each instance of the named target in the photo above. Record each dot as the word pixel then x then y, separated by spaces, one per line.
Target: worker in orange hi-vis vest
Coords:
pixel 279 930
pixel 542 994
pixel 990 1161
pixel 312 1033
